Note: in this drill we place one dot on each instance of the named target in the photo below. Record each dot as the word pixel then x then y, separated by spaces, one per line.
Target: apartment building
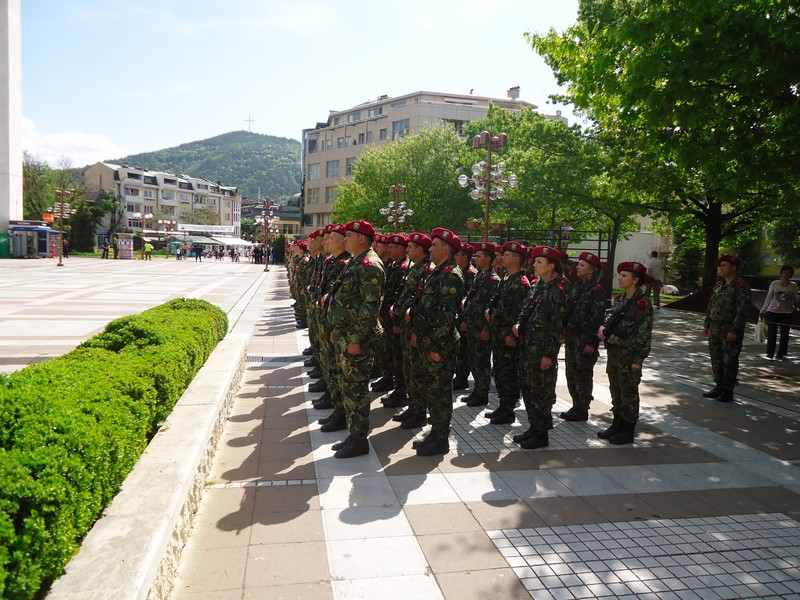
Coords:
pixel 331 148
pixel 166 196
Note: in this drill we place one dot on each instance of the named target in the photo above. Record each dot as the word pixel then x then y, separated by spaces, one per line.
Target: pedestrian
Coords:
pixel 538 328
pixel 65 244
pixel 353 312
pixel 627 332
pixel 502 314
pixel 434 335
pixel 585 311
pixel 656 273
pixel 104 254
pixel 778 310
pixel 724 324
pixel 474 325
pixel 148 251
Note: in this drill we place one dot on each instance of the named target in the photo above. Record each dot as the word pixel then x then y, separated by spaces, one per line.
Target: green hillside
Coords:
pixel 239 158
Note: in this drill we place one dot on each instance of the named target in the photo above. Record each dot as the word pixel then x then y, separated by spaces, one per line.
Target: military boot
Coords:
pixel 396 399
pixel 539 439
pixel 384 384
pixel 417 443
pixel 434 445
pixel 503 416
pixel 611 430
pixel 714 392
pixel 726 396
pixel 318 386
pixel 310 362
pixel 337 422
pixel 478 400
pixel 339 445
pixel 324 402
pixel 414 420
pixel 521 437
pixel 624 434
pixel 575 414
pixel 460 383
pixel 315 373
pixel 402 416
pixel 358 446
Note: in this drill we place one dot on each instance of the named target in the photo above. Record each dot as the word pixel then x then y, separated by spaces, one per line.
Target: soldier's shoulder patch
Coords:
pixel 524 280
pixel 640 304
pixel 448 268
pixel 742 284
pixel 719 283
pixel 404 265
pixel 560 286
pixel 599 288
pixel 494 277
pixel 343 262
pixel 429 267
pixel 618 296
pixel 366 262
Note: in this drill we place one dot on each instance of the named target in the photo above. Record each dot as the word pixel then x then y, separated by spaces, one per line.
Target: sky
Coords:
pixel 102 79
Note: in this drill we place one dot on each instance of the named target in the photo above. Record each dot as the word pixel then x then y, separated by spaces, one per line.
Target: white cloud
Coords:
pixel 77 147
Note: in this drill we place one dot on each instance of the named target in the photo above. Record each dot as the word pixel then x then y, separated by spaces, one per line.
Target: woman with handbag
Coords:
pixel 778 309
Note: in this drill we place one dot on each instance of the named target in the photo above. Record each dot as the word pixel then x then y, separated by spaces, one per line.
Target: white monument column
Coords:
pixel 10 112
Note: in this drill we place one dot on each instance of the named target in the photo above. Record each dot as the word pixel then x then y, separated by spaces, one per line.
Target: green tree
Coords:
pixel 37 187
pixel 784 239
pixel 112 206
pixel 428 164
pixel 206 215
pixel 702 99
pixel 248 228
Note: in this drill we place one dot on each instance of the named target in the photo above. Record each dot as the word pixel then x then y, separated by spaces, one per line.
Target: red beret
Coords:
pixel 592 259
pixel 484 247
pixel 315 234
pixel 552 254
pixel 329 227
pixel 398 239
pixel 468 248
pixel 447 236
pixel 303 244
pixel 362 227
pixel 515 247
pixel 340 229
pixel 380 238
pixel 731 259
pixel 634 267
pixel 420 239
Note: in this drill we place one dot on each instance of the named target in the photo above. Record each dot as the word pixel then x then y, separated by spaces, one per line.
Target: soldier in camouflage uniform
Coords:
pixel 539 327
pixel 329 355
pixel 726 318
pixel 434 335
pixel 475 328
pixel 316 325
pixel 502 314
pixel 627 331
pixel 316 258
pixel 353 312
pixel 383 365
pixel 464 262
pixel 585 312
pixel 302 280
pixel 418 246
pixel 395 280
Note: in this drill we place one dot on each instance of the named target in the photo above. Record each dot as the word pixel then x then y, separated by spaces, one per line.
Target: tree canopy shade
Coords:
pixel 701 99
pixel 428 164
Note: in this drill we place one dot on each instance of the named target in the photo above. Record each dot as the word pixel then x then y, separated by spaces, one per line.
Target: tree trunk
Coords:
pixel 713 229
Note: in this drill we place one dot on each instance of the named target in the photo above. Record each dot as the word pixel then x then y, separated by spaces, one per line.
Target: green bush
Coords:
pixel 71 430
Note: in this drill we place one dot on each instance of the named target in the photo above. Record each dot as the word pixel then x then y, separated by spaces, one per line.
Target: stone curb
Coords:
pixel 133 551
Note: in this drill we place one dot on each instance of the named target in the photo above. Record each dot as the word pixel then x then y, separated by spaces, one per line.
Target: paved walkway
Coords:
pixel 706 503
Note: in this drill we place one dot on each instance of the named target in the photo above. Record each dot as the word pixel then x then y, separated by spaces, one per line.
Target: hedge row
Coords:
pixel 71 429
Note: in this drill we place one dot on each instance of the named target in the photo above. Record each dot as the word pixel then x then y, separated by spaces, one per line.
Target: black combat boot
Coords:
pixel 624 434
pixel 611 430
pixel 726 396
pixel 521 437
pixel 318 386
pixel 337 422
pixel 539 439
pixel 714 392
pixel 384 384
pixel 414 420
pixel 434 445
pixel 402 416
pixel 345 442
pixel 417 443
pixel 503 416
pixel 308 352
pixel 310 362
pixel 575 414
pixel 478 400
pixel 356 447
pixel 330 417
pixel 396 399
pixel 460 383
pixel 324 402
pixel 315 373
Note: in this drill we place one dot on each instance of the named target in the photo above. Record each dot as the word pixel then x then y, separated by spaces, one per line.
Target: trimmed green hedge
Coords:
pixel 71 429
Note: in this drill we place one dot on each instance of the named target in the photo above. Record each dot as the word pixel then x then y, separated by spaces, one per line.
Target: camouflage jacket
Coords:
pixel 541 317
pixel 469 277
pixel 483 288
pixel 395 280
pixel 434 313
pixel 585 311
pixel 416 272
pixel 727 309
pixel 354 303
pixel 634 330
pixel 507 303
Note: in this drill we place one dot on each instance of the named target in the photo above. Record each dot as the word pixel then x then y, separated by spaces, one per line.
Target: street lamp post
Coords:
pixel 488 178
pixel 144 218
pixel 396 212
pixel 168 227
pixel 63 208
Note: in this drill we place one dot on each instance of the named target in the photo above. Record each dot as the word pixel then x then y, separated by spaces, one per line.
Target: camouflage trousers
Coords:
pixel 329 360
pixel 580 372
pixel 395 352
pixel 435 381
pixel 479 353
pixel 623 383
pixel 413 361
pixel 382 357
pixel 506 373
pixel 354 382
pixel 462 357
pixel 724 359
pixel 538 388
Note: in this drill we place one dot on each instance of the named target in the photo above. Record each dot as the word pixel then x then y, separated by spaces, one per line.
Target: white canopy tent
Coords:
pixel 231 241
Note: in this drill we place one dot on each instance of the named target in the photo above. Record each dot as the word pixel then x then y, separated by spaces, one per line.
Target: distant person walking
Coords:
pixel 656 273
pixel 778 310
pixel 105 249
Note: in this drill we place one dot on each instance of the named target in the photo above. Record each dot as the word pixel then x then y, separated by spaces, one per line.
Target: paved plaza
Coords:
pixel 705 504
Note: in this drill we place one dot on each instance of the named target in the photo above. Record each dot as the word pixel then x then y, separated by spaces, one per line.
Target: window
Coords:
pixel 185 198
pixel 135 176
pixel 360 138
pixel 184 213
pixel 332 168
pixel 149 194
pixel 311 146
pixel 400 128
pixel 330 195
pixel 149 208
pixel 170 181
pixel 165 195
pixel 150 179
pixel 369 136
pixel 312 196
pixel 337 120
pixel 135 223
pixel 227 203
pixel 354 117
pixel 131 191
pixel 382 134
pixel 348 168
pixel 168 210
pixel 375 112
pixel 130 207
pixel 313 171
pixel 328 144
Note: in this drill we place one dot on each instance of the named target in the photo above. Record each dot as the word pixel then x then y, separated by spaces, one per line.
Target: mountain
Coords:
pixel 239 158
